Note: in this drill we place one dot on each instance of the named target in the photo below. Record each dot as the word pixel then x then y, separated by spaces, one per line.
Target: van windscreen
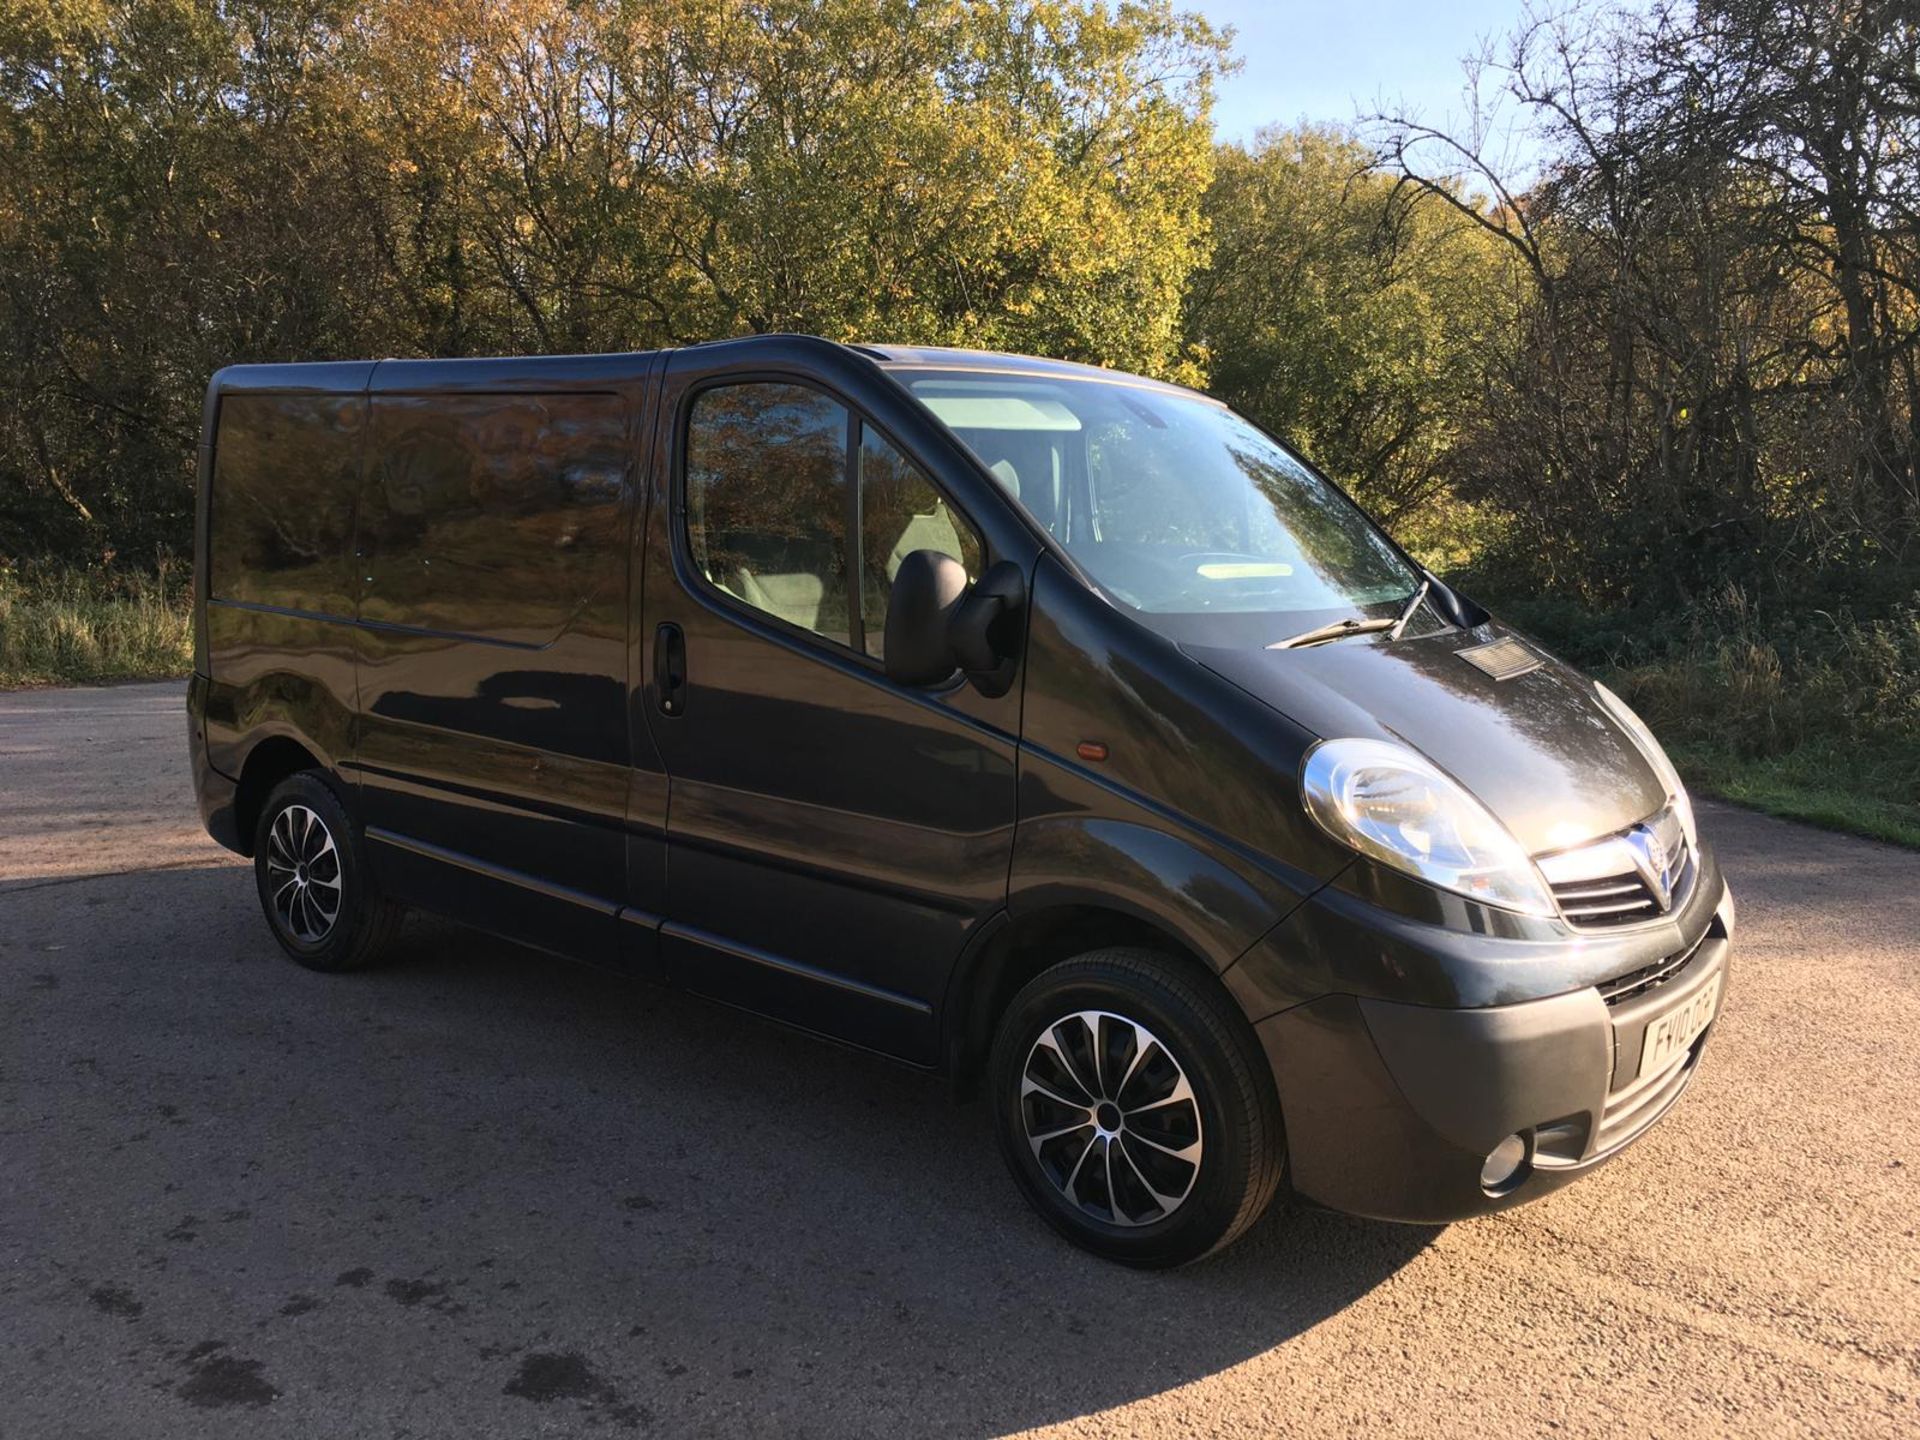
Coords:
pixel 1173 504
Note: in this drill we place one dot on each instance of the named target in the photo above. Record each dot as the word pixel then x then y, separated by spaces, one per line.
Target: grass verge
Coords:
pixel 83 627
pixel 1809 785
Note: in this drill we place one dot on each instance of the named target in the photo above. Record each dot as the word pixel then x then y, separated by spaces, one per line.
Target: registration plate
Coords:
pixel 1673 1032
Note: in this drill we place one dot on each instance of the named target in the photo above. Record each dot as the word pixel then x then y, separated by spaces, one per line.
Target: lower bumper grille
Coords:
pixel 1634 1107
pixel 1636 983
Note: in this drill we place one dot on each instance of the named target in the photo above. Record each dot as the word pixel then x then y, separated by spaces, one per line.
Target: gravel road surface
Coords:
pixel 486 1193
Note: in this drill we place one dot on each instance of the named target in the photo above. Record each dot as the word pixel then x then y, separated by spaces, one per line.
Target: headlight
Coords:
pixel 1641 736
pixel 1388 802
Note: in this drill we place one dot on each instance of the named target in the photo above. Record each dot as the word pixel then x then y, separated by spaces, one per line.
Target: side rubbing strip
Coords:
pixel 793 967
pixel 492 872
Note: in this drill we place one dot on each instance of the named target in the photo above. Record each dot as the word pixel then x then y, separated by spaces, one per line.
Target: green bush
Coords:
pixel 67 626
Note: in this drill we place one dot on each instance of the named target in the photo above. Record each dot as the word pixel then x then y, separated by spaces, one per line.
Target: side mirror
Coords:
pixel 927 588
pixel 937 623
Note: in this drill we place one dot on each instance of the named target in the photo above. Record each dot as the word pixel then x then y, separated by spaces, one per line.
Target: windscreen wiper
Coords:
pixel 1412 605
pixel 1354 625
pixel 1338 630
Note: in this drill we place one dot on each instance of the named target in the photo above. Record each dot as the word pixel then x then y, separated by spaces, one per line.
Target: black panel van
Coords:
pixel 1053 728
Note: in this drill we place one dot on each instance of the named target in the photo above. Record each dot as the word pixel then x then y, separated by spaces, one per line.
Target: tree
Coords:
pixel 1348 313
pixel 185 185
pixel 1711 377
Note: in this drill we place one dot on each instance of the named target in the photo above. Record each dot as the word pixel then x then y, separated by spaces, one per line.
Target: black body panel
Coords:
pixel 493 750
pixel 278 670
pixel 1185 821
pixel 834 838
pixel 1392 1107
pixel 1537 749
pixel 484 742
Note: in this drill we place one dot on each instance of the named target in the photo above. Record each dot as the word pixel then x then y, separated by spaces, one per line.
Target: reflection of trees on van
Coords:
pixel 484 511
pixel 1321 526
pixel 282 503
pixel 1151 486
pixel 1142 495
pixel 552 710
pixel 766 501
pixel 1546 706
pixel 767 508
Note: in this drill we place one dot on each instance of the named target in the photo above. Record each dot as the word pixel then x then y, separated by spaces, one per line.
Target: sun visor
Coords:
pixel 1000 412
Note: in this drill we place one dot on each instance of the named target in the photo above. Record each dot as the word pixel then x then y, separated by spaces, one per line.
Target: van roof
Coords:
pixel 996 362
pixel 482 371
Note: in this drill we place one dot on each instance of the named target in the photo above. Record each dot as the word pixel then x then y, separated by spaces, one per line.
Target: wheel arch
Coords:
pixel 1016 946
pixel 270 761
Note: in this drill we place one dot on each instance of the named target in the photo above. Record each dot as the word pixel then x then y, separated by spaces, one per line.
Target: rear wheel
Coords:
pixel 313 880
pixel 1134 1108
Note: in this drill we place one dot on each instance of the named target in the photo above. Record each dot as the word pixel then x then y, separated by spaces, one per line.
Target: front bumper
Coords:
pixel 1392 1108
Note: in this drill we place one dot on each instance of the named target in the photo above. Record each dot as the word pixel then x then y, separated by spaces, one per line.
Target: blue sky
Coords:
pixel 1330 61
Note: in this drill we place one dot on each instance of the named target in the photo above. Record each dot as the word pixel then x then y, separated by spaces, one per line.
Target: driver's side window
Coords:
pixel 768 466
pixel 901 512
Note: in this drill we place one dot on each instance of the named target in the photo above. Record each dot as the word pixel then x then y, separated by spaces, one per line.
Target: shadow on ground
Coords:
pixel 485 1182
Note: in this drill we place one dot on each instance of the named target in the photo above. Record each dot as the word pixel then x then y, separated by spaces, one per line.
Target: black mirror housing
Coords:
pixel 927 589
pixel 1457 608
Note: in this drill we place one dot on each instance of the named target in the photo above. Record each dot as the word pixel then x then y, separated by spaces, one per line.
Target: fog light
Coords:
pixel 1504 1162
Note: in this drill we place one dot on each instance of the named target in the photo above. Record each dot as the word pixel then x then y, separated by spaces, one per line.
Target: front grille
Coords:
pixel 1618 880
pixel 1609 900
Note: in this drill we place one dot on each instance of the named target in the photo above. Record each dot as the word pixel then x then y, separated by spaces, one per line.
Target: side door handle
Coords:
pixel 670 668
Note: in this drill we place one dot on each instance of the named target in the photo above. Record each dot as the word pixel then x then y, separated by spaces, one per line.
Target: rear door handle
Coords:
pixel 670 669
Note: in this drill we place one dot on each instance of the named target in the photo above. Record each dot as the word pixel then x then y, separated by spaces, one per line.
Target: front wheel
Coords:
pixel 314 885
pixel 1135 1109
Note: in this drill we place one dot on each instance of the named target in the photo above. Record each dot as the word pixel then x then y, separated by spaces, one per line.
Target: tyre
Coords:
pixel 1135 1109
pixel 313 879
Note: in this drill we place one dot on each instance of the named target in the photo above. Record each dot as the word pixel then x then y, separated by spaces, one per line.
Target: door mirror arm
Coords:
pixel 984 628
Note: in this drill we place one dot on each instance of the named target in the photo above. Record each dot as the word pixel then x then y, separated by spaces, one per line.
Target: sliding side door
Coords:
pixel 494 751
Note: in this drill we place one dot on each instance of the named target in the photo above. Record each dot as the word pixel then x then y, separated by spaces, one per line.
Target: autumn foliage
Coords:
pixel 186 184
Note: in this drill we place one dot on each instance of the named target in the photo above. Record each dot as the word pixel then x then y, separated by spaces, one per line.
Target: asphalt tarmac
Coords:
pixel 486 1193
